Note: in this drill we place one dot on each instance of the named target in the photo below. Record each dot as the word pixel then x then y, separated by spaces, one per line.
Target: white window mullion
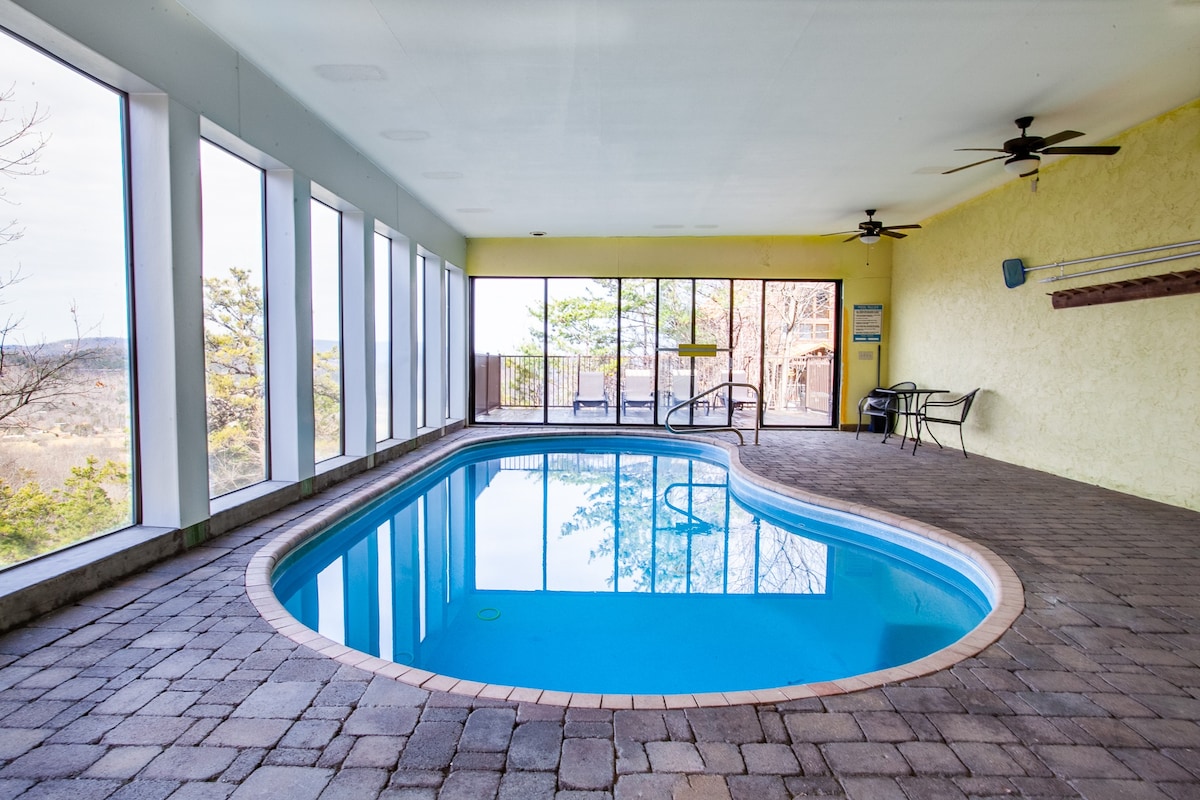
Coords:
pixel 358 335
pixel 404 339
pixel 435 346
pixel 172 431
pixel 289 326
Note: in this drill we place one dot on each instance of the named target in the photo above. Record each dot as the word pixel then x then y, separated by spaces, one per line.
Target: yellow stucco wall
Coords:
pixel 715 257
pixel 1103 394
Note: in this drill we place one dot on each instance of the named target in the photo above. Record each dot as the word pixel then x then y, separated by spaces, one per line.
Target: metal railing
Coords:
pixel 705 393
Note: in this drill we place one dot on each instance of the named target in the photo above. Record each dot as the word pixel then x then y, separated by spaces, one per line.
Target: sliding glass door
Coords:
pixel 607 351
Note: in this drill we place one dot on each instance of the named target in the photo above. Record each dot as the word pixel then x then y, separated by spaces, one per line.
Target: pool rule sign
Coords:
pixel 868 323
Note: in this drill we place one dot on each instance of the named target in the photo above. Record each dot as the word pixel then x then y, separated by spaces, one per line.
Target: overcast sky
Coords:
pixel 72 216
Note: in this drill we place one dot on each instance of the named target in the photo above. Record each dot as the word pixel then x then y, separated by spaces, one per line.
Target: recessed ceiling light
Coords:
pixel 401 135
pixel 537 233
pixel 473 210
pixel 348 73
pixel 442 176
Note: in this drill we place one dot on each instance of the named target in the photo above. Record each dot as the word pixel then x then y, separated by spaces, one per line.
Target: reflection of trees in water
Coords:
pixel 680 531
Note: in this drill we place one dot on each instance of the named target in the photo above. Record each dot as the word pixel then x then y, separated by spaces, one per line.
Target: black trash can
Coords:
pixel 882 424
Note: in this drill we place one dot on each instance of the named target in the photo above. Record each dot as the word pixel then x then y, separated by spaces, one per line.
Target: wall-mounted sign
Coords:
pixel 868 323
pixel 697 350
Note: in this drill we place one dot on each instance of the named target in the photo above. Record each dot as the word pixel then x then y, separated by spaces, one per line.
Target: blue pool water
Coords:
pixel 624 565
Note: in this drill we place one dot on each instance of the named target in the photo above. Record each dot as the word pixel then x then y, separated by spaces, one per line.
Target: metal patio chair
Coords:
pixel 944 412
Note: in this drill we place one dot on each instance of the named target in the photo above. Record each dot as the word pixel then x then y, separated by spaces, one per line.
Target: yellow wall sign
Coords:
pixel 697 350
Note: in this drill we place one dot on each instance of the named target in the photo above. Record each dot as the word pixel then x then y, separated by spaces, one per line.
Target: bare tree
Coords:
pixel 21 146
pixel 34 376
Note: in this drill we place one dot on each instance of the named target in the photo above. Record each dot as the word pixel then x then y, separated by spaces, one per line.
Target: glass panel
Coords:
pixel 582 363
pixel 745 352
pixel 799 354
pixel 656 316
pixel 691 376
pixel 675 303
pixel 65 400
pixel 383 337
pixel 234 341
pixel 327 329
pixel 509 346
pixel 638 342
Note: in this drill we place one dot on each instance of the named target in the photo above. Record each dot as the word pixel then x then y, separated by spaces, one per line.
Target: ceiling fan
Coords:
pixel 869 231
pixel 1023 154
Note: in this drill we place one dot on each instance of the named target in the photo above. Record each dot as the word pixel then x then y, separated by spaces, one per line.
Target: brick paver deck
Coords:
pixel 170 684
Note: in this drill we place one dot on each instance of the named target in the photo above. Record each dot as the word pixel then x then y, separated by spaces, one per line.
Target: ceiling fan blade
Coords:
pixel 976 164
pixel 1099 150
pixel 980 149
pixel 1061 136
pixel 841 233
pixel 900 227
pixel 893 234
pixel 851 239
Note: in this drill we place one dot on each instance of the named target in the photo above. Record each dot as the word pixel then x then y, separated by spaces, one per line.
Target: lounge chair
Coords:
pixel 681 390
pixel 638 390
pixel 739 395
pixel 591 392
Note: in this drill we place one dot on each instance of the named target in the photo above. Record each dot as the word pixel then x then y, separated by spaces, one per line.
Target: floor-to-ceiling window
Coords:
pixel 509 337
pixel 609 351
pixel 234 335
pixel 638 334
pixel 66 408
pixel 581 322
pixel 798 351
pixel 327 329
pixel 676 303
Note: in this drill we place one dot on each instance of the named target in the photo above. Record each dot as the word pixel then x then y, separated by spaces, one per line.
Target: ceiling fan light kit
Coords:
pixel 870 231
pixel 1023 165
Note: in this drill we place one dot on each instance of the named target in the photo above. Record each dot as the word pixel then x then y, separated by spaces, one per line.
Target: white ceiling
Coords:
pixel 709 117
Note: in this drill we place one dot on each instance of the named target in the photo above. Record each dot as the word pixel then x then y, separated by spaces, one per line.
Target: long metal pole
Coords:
pixel 1115 255
pixel 1159 260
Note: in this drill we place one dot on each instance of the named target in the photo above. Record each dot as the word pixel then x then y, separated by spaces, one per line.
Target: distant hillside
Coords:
pixel 107 352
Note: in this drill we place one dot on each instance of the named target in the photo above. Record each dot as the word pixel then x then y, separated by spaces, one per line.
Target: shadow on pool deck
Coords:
pixel 169 685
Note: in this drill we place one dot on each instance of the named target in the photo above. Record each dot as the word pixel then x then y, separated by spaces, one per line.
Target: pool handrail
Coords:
pixel 738 431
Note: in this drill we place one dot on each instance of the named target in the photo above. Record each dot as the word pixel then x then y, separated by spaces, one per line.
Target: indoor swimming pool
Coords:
pixel 631 565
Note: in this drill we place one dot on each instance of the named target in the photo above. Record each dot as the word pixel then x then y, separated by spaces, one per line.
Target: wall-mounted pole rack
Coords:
pixel 1168 285
pixel 1015 270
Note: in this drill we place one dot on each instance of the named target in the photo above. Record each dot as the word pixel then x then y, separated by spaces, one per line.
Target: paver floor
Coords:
pixel 169 684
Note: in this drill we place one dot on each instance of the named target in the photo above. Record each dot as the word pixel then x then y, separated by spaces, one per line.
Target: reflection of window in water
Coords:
pixel 547 524
pixel 599 521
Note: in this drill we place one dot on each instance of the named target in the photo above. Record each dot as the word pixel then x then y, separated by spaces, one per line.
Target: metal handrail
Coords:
pixel 738 431
pixel 692 518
